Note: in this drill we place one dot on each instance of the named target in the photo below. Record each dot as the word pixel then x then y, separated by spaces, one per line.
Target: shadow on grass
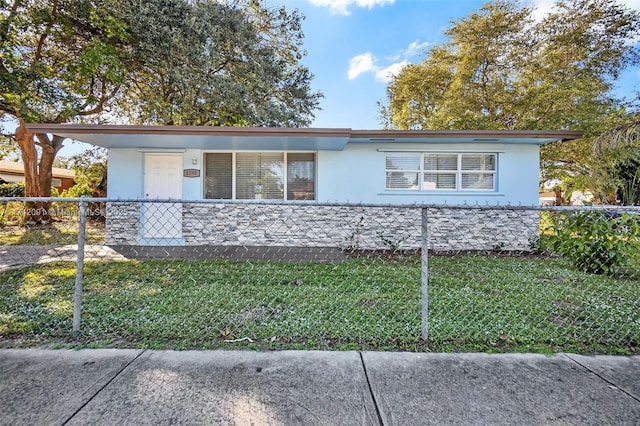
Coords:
pixel 36 303
pixel 54 233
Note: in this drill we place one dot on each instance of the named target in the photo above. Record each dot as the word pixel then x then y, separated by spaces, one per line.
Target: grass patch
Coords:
pixel 58 233
pixel 477 303
pixel 62 230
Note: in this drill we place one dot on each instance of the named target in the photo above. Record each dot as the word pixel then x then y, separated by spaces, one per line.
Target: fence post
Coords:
pixel 77 299
pixel 425 275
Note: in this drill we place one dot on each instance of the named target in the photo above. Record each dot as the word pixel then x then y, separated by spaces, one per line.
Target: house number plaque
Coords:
pixel 191 172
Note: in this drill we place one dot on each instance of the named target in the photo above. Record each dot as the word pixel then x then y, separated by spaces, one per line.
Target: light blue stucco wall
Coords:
pixel 357 175
pixel 192 187
pixel 125 173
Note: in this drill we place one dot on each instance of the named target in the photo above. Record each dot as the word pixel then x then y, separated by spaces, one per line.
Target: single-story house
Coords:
pixel 11 171
pixel 381 167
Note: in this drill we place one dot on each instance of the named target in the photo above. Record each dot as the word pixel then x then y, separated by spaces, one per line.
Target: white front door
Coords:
pixel 162 179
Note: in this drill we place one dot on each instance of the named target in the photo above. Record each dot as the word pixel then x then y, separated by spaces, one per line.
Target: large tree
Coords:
pixel 59 60
pixel 153 61
pixel 219 63
pixel 502 69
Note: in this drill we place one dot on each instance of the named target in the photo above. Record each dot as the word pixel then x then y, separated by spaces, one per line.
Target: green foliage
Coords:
pixel 90 168
pixel 596 242
pixel 616 172
pixel 81 189
pixel 8 145
pixel 148 61
pixel 218 63
pixel 616 176
pixel 60 60
pixel 500 69
pixel 13 189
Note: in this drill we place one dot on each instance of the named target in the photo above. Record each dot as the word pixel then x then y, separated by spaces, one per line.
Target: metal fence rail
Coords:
pixel 185 273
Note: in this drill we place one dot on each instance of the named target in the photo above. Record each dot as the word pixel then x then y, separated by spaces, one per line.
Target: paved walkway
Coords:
pixel 19 256
pixel 132 387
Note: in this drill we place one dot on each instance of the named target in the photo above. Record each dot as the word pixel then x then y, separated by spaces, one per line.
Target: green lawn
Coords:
pixel 57 233
pixel 61 231
pixel 476 303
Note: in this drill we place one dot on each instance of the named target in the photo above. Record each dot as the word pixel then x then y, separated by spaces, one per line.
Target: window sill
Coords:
pixel 448 193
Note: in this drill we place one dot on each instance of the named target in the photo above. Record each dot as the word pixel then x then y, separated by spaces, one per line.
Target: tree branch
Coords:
pixel 44 35
pixel 6 24
pixel 7 109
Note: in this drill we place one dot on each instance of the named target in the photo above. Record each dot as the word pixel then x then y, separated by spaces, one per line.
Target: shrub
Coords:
pixel 596 241
pixel 14 189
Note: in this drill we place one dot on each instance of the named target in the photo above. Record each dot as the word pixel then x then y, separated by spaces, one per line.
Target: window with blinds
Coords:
pixel 301 172
pixel 441 171
pixel 260 176
pixel 402 171
pixel 218 180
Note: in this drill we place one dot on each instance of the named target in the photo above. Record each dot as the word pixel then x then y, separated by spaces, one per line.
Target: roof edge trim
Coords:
pixel 560 135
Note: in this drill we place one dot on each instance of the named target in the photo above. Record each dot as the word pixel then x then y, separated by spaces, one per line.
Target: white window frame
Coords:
pixel 458 172
pixel 285 172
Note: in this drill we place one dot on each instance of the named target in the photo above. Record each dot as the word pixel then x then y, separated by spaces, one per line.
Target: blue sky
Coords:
pixel 353 45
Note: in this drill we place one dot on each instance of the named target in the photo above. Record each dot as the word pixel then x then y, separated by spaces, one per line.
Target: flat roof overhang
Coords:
pixel 281 139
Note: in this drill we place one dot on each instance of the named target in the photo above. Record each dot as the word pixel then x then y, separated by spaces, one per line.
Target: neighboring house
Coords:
pixel 382 167
pixel 578 198
pixel 14 172
pixel 547 198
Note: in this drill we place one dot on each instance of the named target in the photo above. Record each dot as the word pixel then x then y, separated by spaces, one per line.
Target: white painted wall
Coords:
pixel 357 175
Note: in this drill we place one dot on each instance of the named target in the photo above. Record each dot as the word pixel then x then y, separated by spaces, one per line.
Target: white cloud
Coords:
pixel 366 62
pixel 385 75
pixel 341 7
pixel 360 64
pixel 415 48
pixel 542 8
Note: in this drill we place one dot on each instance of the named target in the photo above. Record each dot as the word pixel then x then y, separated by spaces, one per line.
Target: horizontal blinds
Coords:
pixel 301 172
pixel 441 171
pixel 478 181
pixel 438 162
pixel 259 175
pixel 218 175
pixel 403 162
pixel 478 162
pixel 439 181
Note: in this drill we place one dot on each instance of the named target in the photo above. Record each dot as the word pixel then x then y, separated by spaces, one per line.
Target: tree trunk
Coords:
pixel 559 198
pixel 35 213
pixel 37 175
pixel 29 160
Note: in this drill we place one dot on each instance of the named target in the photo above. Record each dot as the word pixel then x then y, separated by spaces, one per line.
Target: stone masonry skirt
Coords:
pixel 348 227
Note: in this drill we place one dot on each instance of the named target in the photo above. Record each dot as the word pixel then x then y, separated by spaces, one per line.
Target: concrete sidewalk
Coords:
pixel 56 387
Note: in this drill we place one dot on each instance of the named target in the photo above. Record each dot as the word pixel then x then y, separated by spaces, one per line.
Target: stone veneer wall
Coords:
pixel 122 223
pixel 301 225
pixel 482 229
pixel 346 227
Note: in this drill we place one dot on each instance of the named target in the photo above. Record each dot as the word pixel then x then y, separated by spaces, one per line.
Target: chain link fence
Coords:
pixel 210 274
